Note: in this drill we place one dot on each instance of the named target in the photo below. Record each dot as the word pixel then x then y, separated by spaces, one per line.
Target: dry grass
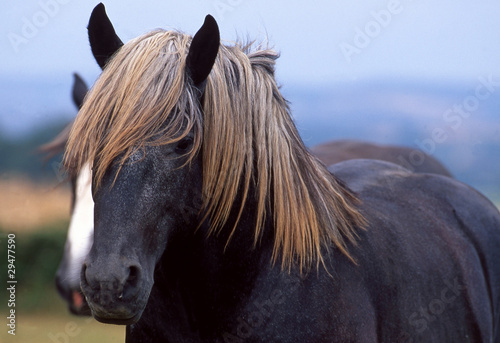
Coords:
pixel 25 205
pixel 51 322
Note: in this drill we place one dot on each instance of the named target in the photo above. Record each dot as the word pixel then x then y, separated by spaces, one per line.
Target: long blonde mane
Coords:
pixel 250 143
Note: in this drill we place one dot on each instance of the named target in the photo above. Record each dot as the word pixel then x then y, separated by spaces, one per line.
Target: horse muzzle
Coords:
pixel 116 292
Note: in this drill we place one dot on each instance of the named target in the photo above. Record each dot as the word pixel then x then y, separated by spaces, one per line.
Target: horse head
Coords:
pixel 141 199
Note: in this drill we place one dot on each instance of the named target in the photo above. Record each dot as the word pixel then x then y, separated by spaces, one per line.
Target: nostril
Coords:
pixel 83 276
pixel 132 281
pixel 133 275
pixel 117 281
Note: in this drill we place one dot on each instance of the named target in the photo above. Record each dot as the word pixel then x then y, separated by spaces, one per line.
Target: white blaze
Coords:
pixel 81 227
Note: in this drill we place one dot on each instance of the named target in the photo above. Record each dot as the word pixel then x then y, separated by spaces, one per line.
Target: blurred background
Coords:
pixel 390 72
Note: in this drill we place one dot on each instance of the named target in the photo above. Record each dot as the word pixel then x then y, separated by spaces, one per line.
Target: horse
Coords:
pixel 214 223
pixel 80 231
pixel 81 227
pixel 348 149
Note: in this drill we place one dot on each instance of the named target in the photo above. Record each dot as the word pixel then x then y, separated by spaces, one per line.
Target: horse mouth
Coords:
pixel 118 314
pixel 116 320
pixel 78 305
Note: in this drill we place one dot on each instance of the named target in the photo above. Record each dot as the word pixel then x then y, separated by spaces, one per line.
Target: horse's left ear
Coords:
pixel 104 41
pixel 202 52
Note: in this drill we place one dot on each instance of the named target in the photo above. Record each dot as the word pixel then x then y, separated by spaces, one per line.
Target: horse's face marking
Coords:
pixel 150 200
pixel 81 227
pixel 78 243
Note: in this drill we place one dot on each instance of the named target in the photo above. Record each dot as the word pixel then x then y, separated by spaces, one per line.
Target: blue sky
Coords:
pixel 320 41
pixel 42 42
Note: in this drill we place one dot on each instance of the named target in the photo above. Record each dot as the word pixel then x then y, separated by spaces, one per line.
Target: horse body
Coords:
pixel 214 223
pixel 431 259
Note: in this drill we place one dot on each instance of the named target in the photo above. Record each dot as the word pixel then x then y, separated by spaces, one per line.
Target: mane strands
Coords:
pixel 251 148
pixel 311 210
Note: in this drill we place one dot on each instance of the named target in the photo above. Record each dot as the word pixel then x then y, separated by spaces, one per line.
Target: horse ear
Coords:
pixel 80 89
pixel 202 52
pixel 102 36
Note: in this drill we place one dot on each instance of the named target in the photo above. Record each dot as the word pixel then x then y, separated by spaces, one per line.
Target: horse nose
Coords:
pixel 116 280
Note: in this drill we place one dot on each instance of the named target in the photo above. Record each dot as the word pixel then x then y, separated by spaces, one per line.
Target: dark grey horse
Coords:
pixel 81 229
pixel 213 222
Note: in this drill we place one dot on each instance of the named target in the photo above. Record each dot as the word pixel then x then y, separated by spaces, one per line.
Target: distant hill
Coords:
pixel 423 116
pixel 20 157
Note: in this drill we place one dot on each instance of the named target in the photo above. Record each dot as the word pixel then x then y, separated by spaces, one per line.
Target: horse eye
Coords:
pixel 184 145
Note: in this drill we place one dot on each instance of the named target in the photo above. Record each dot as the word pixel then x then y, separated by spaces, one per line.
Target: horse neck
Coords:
pixel 206 273
pixel 216 253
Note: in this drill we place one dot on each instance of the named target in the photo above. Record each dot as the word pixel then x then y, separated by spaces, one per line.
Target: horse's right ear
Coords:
pixel 202 52
pixel 80 89
pixel 102 36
